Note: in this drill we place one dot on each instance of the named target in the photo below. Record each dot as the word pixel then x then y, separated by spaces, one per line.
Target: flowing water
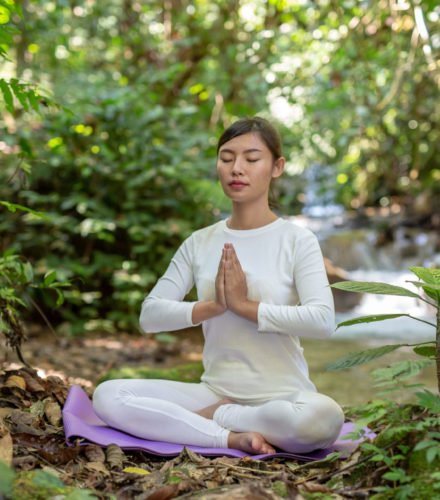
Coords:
pixel 364 255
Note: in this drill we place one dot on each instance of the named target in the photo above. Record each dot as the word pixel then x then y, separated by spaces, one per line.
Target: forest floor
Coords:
pixel 32 437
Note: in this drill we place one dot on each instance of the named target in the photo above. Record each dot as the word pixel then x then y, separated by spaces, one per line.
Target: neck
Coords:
pixel 246 216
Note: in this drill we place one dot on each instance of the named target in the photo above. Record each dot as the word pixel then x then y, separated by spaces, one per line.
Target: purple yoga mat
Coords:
pixel 81 421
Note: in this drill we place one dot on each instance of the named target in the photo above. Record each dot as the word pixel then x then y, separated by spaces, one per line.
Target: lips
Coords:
pixel 237 184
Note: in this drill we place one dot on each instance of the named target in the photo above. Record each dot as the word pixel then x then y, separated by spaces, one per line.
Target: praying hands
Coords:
pixel 231 287
pixel 230 291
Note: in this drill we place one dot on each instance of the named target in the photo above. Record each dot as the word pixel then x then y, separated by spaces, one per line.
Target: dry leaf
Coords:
pixel 6 449
pixel 191 455
pixel 95 453
pixel 53 413
pixel 16 381
pixel 32 384
pixel 22 418
pixel 5 412
pixel 98 467
pixel 115 456
pixel 311 487
pixel 164 492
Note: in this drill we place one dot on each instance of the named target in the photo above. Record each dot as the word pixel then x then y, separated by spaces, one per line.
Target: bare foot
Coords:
pixel 251 442
pixel 208 412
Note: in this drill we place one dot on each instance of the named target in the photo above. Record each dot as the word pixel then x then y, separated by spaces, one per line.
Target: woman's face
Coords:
pixel 245 167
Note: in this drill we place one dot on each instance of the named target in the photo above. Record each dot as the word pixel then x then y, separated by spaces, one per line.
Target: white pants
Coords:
pixel 163 410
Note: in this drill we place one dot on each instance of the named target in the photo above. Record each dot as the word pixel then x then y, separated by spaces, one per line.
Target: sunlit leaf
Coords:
pixel 136 470
pixel 50 277
pixel 370 319
pixel 13 207
pixel 426 274
pixel 373 287
pixel 19 93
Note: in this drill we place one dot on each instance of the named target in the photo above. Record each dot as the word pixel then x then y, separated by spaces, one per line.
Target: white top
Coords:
pixel 285 273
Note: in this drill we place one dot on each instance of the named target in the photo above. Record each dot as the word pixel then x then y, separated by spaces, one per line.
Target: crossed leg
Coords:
pixel 187 413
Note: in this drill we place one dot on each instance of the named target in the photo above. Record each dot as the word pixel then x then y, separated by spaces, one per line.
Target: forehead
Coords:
pixel 246 142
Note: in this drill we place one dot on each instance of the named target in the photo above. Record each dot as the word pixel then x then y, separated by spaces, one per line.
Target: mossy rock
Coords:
pixel 190 372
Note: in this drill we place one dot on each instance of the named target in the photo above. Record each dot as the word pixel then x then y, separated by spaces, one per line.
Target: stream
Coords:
pixel 362 256
pixel 371 253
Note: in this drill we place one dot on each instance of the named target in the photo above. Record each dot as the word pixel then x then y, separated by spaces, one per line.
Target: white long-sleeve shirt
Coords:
pixel 243 360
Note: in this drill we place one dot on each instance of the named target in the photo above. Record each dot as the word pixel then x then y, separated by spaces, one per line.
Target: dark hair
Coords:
pixel 266 130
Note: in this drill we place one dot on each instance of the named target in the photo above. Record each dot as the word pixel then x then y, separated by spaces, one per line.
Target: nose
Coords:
pixel 237 166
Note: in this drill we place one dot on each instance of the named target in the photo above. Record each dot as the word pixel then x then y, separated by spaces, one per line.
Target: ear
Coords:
pixel 278 167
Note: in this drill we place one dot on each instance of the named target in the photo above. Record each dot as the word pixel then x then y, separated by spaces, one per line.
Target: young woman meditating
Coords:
pixel 261 284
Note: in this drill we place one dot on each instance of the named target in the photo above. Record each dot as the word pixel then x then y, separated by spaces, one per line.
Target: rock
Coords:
pixel 344 301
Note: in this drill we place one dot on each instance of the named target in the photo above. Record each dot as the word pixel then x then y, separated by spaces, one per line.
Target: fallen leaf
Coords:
pixel 53 413
pixel 95 453
pixel 164 492
pixel 311 487
pixel 52 449
pixel 6 449
pixel 31 383
pixel 115 456
pixel 5 412
pixel 16 381
pixel 98 467
pixel 136 470
pixel 191 455
pixel 22 417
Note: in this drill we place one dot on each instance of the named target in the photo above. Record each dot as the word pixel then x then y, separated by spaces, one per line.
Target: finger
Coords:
pixel 235 260
pixel 234 254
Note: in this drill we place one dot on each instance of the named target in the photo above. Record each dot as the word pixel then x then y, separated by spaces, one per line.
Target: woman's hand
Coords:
pixel 235 280
pixel 220 298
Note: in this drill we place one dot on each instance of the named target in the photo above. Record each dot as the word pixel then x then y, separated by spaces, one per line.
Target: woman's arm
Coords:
pixel 164 309
pixel 315 317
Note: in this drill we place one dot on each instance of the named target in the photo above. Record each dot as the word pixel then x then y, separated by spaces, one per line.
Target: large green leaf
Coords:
pixel 373 287
pixel 431 276
pixel 431 286
pixel 370 319
pixel 358 358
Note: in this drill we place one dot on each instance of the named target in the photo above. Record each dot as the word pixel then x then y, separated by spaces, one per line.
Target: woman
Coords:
pixel 261 283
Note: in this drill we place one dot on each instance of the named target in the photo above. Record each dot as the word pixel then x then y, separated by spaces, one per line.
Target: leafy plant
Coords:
pixel 17 275
pixel 430 284
pixel 16 278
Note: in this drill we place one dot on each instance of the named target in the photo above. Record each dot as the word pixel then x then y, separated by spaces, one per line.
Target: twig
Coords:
pixel 37 307
pixel 246 468
pixel 335 473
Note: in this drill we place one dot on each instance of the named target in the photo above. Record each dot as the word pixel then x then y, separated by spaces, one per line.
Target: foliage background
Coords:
pixel 125 167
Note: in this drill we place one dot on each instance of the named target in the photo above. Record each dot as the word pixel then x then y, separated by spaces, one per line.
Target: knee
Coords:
pixel 103 397
pixel 313 421
pixel 320 422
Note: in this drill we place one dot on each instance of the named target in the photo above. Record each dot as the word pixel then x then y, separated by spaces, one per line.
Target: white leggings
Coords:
pixel 163 410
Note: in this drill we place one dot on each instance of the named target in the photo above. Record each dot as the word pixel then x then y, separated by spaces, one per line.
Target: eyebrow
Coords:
pixel 252 150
